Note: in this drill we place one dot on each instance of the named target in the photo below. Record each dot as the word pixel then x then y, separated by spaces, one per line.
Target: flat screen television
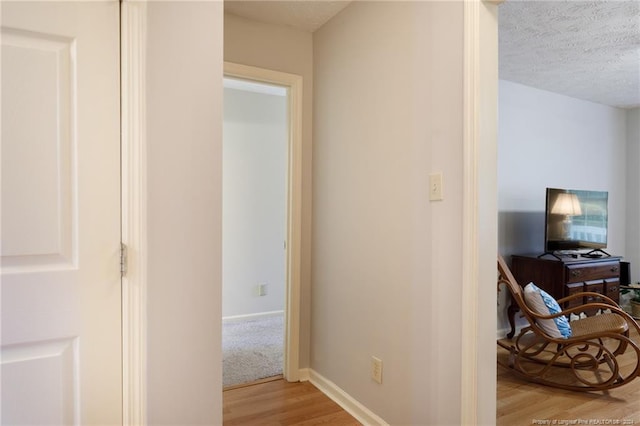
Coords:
pixel 575 219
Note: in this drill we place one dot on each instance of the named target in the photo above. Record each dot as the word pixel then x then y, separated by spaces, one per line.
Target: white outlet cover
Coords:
pixel 376 369
pixel 435 187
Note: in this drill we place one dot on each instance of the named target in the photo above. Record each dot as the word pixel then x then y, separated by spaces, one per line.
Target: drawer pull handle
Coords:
pixel 576 273
pixel 614 269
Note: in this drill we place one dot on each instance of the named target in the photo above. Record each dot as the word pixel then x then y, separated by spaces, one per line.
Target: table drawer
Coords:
pixel 612 289
pixel 571 289
pixel 595 287
pixel 577 273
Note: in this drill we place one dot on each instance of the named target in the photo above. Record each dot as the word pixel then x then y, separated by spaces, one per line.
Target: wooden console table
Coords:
pixel 566 275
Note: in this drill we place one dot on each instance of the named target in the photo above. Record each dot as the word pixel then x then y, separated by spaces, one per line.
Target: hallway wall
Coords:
pixel 388 105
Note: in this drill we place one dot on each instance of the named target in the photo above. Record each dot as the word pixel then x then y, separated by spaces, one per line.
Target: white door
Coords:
pixel 61 295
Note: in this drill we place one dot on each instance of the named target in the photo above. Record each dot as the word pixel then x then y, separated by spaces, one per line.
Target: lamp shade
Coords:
pixel 567 204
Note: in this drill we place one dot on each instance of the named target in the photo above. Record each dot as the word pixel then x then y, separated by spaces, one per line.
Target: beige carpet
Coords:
pixel 252 349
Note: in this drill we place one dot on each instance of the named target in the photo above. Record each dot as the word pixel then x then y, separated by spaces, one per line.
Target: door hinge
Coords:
pixel 123 259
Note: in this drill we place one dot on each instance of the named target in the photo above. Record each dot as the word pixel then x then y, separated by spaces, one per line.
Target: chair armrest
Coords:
pixel 607 303
pixel 576 310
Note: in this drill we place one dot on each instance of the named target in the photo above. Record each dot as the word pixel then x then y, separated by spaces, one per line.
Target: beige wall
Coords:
pixel 184 137
pixel 387 277
pixel 288 50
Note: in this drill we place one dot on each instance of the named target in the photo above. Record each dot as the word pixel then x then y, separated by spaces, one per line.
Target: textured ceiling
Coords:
pixel 584 49
pixel 306 15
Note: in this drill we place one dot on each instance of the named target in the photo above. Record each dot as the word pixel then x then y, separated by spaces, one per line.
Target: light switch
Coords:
pixel 435 187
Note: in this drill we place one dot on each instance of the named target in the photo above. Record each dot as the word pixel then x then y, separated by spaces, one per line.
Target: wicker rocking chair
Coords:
pixel 589 360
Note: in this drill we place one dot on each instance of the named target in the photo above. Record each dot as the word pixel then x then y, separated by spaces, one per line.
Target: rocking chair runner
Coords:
pixel 588 360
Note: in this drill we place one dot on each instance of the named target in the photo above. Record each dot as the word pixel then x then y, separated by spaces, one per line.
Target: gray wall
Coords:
pixel 633 192
pixel 550 140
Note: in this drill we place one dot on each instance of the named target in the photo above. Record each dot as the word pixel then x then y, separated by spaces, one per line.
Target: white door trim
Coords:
pixel 478 402
pixel 134 211
pixel 294 204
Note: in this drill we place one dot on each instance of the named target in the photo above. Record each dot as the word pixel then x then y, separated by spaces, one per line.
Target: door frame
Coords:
pixel 134 209
pixel 133 27
pixel 293 83
pixel 479 217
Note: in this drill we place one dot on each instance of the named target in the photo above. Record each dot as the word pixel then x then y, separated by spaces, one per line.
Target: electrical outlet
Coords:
pixel 262 289
pixel 376 369
pixel 435 187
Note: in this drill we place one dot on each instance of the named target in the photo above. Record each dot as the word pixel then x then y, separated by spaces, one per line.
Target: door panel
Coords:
pixel 48 367
pixel 61 293
pixel 37 192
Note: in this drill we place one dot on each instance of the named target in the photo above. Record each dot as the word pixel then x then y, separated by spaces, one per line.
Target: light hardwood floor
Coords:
pixel 523 403
pixel 281 403
pixel 518 403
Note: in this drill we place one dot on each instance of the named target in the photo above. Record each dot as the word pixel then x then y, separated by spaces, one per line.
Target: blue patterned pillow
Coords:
pixel 543 303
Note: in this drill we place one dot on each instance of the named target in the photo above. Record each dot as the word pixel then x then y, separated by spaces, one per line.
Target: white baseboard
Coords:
pixel 252 316
pixel 303 375
pixel 340 397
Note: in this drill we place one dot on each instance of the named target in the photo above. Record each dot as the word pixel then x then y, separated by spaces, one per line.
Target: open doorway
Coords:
pixel 261 225
pixel 254 230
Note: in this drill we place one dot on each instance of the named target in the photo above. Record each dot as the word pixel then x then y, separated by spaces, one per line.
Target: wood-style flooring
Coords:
pixel 518 403
pixel 524 403
pixel 281 403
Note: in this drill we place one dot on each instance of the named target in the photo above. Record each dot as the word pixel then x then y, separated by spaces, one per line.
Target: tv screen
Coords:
pixel 575 219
